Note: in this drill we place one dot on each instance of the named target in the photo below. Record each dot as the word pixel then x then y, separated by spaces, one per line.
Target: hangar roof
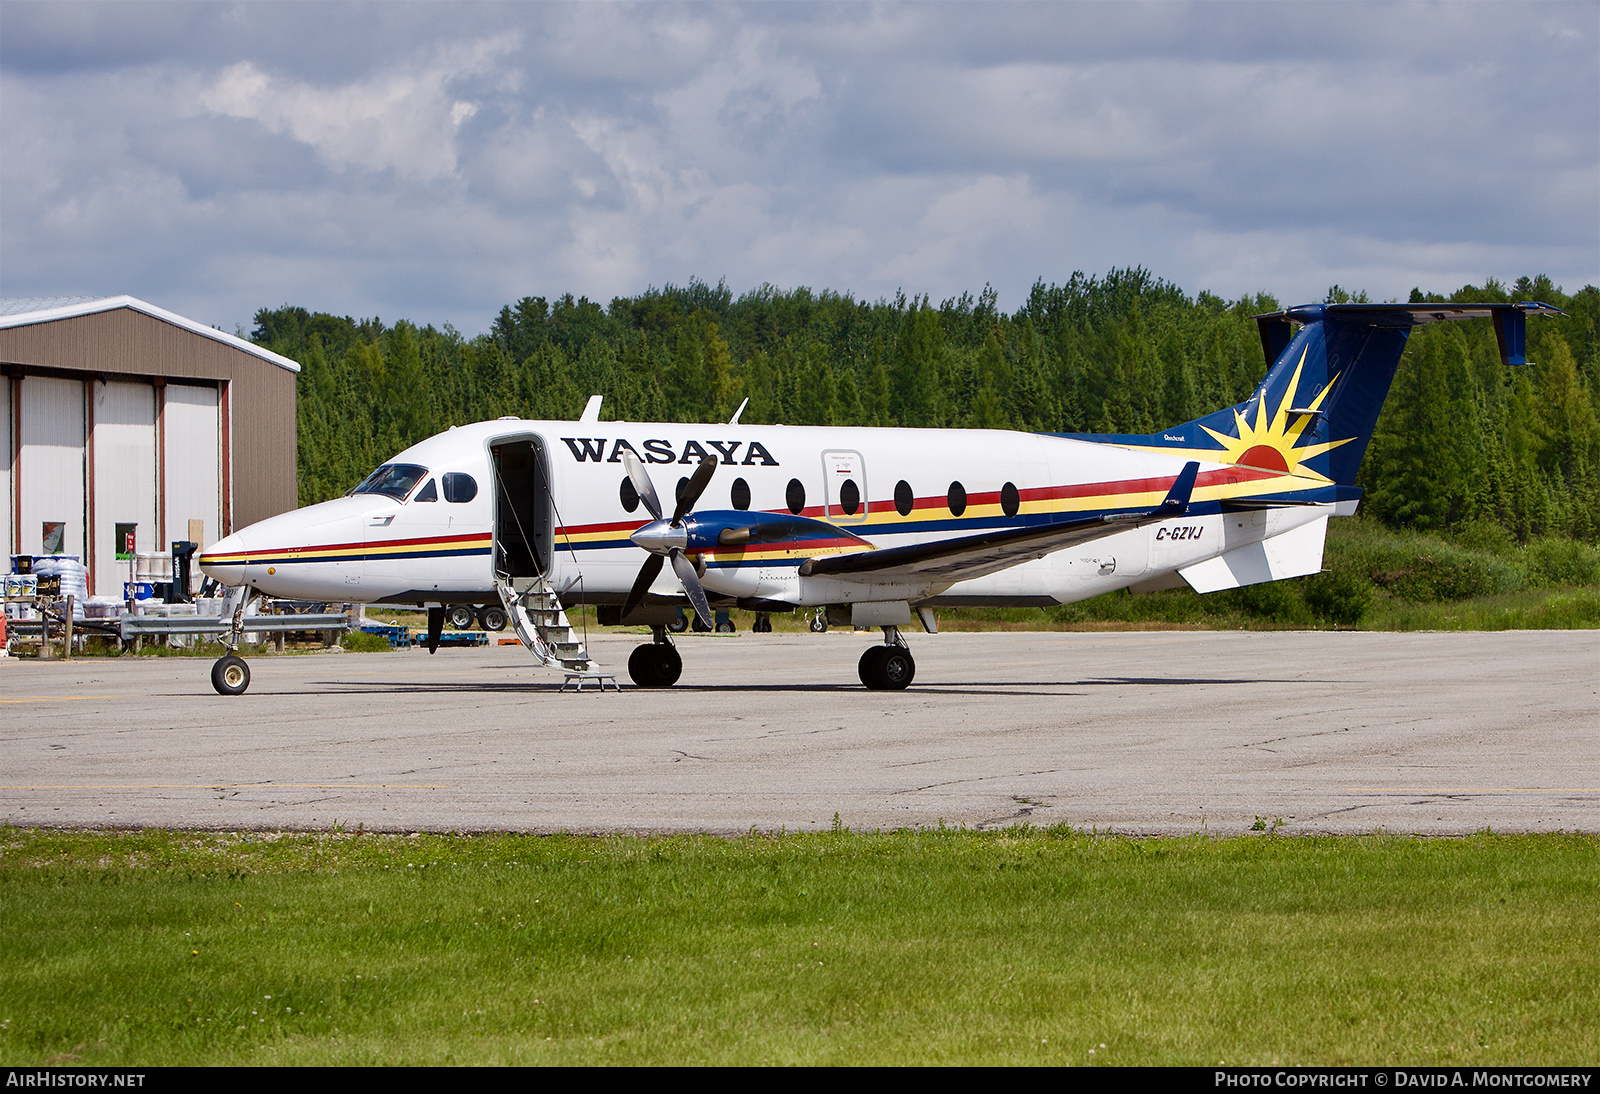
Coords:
pixel 27 312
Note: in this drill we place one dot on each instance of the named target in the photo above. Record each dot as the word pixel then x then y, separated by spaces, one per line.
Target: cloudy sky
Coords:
pixel 435 161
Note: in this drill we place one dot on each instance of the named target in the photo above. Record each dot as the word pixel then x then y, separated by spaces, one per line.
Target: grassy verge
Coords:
pixel 1026 946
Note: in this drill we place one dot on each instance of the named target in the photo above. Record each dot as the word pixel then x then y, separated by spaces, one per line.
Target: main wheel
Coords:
pixel 491 618
pixel 870 667
pixel 819 622
pixel 459 616
pixel 897 668
pixel 678 625
pixel 230 675
pixel 655 665
pixel 763 623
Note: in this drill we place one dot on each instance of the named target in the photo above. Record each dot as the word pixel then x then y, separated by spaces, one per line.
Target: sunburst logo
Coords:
pixel 1272 443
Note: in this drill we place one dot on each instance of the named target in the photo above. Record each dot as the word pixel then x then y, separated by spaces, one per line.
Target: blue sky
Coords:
pixel 436 161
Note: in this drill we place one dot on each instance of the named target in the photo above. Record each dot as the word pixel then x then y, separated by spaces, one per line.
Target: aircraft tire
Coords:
pixel 459 616
pixel 491 618
pixel 230 675
pixel 896 668
pixel 655 665
pixel 819 622
pixel 870 668
pixel 678 625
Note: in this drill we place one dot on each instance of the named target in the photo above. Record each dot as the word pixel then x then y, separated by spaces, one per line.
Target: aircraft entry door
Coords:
pixel 522 531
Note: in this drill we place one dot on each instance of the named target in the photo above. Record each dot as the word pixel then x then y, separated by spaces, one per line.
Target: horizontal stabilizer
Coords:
pixel 1294 553
pixel 1510 321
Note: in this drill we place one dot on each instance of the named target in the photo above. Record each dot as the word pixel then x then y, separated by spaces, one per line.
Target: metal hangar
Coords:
pixel 127 427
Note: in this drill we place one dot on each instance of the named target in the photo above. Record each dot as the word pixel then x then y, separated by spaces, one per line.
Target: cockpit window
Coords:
pixel 393 480
pixel 429 492
pixel 459 487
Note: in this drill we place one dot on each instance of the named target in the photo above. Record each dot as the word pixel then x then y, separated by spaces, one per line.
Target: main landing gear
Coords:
pixel 655 664
pixel 889 667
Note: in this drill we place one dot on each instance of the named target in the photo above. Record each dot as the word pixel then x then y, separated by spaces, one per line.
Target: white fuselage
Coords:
pixel 377 548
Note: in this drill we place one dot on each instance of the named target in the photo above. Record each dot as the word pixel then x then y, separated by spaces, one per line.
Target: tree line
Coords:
pixel 1462 442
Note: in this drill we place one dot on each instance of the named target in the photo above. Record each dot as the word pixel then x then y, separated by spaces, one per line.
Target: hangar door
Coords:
pixel 124 477
pixel 6 451
pixel 51 481
pixel 192 467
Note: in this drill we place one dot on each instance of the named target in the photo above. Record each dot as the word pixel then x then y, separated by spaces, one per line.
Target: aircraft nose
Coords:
pixel 225 559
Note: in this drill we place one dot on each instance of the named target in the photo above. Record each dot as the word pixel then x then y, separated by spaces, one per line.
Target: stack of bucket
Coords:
pixel 71 574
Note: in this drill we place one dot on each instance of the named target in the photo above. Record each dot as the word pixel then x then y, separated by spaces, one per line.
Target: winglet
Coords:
pixel 1177 500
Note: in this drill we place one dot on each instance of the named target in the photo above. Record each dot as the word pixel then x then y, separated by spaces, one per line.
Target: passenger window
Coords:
pixel 427 493
pixel 1010 500
pixel 903 498
pixel 850 497
pixel 795 496
pixel 459 488
pixel 957 499
pixel 740 494
pixel 629 494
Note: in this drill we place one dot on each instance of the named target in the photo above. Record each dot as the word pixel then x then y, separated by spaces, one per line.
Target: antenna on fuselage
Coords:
pixel 591 411
pixel 735 419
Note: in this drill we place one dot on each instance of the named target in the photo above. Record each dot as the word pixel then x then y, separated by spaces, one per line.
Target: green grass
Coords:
pixel 1025 946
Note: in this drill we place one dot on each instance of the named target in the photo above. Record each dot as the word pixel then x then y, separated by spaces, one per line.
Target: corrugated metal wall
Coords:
pixel 258 400
pixel 224 408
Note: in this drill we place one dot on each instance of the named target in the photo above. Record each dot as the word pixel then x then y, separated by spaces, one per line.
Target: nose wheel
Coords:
pixel 889 667
pixel 230 675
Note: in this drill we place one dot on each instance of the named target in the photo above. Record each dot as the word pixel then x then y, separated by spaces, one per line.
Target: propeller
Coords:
pixel 666 539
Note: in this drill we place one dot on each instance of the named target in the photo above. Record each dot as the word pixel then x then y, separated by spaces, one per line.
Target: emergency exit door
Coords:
pixel 844 485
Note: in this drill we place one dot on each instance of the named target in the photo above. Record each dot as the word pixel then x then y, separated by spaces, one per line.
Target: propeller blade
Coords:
pixel 641 483
pixel 695 487
pixel 641 584
pixel 691 585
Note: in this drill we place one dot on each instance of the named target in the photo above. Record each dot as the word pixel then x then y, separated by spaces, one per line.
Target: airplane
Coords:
pixel 876 525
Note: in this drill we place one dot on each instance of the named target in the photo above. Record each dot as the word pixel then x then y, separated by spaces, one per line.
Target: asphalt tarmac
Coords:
pixel 1145 732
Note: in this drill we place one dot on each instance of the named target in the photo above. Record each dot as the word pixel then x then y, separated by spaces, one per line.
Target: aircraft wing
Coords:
pixel 969 557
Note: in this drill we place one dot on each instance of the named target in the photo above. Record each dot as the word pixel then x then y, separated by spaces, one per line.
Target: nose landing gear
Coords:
pixel 889 667
pixel 230 675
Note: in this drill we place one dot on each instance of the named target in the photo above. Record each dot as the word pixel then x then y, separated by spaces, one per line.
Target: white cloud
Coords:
pixel 404 122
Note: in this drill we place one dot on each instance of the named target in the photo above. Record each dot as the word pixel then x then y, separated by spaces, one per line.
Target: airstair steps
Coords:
pixel 540 621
